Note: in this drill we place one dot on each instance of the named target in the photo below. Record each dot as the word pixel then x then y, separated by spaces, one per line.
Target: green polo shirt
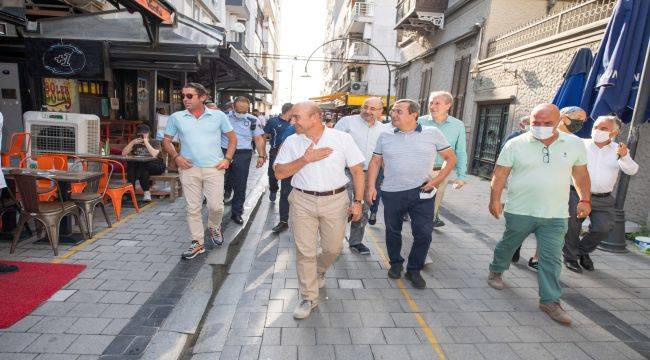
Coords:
pixel 540 176
pixel 454 131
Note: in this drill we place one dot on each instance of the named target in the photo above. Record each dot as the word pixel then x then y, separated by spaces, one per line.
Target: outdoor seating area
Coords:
pixel 54 196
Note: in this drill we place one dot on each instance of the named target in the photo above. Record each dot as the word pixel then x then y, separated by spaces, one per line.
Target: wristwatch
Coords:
pixel 360 202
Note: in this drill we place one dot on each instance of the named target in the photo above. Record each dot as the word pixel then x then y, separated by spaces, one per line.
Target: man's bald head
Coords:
pixel 306 116
pixel 545 115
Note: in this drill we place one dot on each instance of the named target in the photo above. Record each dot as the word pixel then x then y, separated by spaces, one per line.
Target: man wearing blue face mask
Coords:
pixel 248 130
pixel 604 160
pixel 540 165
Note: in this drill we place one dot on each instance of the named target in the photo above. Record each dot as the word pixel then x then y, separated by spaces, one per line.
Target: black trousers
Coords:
pixel 273 182
pixel 236 179
pixel 284 186
pixel 142 170
pixel 601 222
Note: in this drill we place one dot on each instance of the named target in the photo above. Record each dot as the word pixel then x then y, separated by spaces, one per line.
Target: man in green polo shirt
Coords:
pixel 454 130
pixel 540 165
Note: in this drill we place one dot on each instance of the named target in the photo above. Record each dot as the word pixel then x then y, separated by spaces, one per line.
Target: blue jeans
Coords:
pixel 398 203
pixel 380 179
pixel 236 179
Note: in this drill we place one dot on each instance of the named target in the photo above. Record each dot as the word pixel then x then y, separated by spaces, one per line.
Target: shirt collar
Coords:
pixel 206 111
pixel 417 129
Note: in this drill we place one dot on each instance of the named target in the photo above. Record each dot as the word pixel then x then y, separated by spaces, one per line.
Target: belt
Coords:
pixel 322 193
pixel 238 151
pixel 598 195
pixel 437 168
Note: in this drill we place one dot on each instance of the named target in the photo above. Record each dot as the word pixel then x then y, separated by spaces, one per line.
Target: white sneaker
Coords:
pixel 304 309
pixel 146 196
pixel 321 280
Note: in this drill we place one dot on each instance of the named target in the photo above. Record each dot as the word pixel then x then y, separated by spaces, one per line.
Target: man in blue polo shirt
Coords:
pixel 274 130
pixel 248 130
pixel 201 163
pixel 440 103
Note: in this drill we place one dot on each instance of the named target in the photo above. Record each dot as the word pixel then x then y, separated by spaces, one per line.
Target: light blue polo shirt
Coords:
pixel 242 128
pixel 454 131
pixel 200 138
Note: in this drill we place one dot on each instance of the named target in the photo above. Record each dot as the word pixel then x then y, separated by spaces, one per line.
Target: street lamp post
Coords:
pixel 290 81
pixel 369 44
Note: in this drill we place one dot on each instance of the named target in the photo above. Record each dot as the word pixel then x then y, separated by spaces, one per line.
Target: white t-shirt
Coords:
pixel 329 173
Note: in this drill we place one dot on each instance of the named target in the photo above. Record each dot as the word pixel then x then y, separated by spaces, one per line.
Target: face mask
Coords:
pixel 240 116
pixel 599 136
pixel 575 126
pixel 526 128
pixel 542 132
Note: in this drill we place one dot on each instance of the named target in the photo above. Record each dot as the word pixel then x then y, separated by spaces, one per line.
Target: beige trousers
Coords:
pixel 440 192
pixel 197 182
pixel 312 216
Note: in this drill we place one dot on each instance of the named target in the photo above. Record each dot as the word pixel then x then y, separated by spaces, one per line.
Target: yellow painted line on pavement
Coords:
pixel 75 249
pixel 413 305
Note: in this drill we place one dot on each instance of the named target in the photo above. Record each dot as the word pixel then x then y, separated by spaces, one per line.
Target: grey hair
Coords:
pixel 618 124
pixel 449 99
pixel 414 107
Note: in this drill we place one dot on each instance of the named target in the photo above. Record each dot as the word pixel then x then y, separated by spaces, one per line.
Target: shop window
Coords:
pixel 95 88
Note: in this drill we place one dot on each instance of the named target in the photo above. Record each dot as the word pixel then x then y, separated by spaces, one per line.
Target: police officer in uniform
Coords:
pixel 247 129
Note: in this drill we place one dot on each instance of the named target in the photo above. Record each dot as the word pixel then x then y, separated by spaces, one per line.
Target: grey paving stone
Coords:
pixel 53 325
pixel 353 352
pixel 367 336
pixel 16 356
pixel 333 336
pixel 51 343
pixel 16 342
pixel 86 296
pixel 347 320
pixel 318 352
pixel 497 351
pixel 531 351
pixel 120 311
pixel 283 352
pixel 531 334
pixel 115 326
pixel 118 285
pixel 62 295
pixel 271 336
pixel 166 345
pixel 89 326
pixel 566 351
pixel 498 334
pixel 118 297
pixel 85 284
pixel 89 344
pixel 377 320
pixel 461 351
pixel 24 324
pixel 400 336
pixel 56 357
pixel 389 352
pixel 298 336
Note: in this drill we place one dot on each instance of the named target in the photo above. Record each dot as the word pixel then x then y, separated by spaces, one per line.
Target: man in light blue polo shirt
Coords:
pixel 201 163
pixel 248 130
pixel 540 165
pixel 440 103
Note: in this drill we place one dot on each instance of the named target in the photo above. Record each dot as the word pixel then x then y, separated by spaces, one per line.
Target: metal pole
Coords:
pixel 616 240
pixel 388 97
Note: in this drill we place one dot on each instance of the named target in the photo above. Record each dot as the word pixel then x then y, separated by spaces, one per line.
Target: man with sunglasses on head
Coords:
pixel 248 131
pixel 201 162
pixel 539 166
pixel 365 129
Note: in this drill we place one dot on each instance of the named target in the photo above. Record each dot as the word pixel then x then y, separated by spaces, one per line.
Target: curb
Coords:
pixel 184 322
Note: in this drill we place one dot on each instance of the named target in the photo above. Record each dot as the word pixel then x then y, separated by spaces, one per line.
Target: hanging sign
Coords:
pixel 60 94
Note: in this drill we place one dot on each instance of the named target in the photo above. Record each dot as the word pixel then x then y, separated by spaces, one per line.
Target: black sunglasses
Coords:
pixel 189 96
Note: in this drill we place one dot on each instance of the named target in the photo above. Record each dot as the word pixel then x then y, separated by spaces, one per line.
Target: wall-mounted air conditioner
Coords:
pixel 359 87
pixel 54 132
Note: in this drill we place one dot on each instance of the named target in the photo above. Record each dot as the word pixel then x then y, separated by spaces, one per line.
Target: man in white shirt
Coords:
pixel 316 157
pixel 365 129
pixel 604 160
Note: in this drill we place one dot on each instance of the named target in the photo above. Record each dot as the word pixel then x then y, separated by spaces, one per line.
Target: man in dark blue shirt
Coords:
pixel 275 130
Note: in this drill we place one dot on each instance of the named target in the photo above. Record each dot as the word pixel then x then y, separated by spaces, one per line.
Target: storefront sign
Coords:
pixel 60 95
pixel 157 9
pixel 65 58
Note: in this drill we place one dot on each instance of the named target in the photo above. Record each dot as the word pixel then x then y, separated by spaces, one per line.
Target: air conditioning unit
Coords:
pixel 359 87
pixel 54 132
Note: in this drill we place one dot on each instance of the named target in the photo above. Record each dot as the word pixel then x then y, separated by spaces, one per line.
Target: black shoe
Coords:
pixel 573 266
pixel 438 223
pixel 237 219
pixel 8 268
pixel 360 248
pixel 416 279
pixel 533 264
pixel 273 195
pixel 395 271
pixel 372 219
pixel 406 217
pixel 280 227
pixel 586 262
pixel 516 255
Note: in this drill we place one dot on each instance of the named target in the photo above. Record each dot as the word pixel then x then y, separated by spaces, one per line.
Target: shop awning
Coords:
pixel 13 12
pixel 348 99
pixel 235 73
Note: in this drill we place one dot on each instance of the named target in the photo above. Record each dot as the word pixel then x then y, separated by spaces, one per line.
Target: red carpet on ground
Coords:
pixel 23 290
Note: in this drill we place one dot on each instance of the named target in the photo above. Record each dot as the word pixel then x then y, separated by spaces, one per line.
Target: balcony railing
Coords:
pixel 363 9
pixel 584 13
pixel 358 49
pixel 408 10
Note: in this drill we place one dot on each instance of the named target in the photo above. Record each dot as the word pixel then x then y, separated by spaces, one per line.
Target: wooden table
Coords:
pixel 126 158
pixel 65 179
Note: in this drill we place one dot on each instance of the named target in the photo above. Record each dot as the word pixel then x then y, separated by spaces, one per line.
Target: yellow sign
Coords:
pixel 60 94
pixel 357 100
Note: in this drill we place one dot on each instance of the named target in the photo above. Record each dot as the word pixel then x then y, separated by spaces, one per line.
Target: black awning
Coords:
pixel 235 73
pixel 13 12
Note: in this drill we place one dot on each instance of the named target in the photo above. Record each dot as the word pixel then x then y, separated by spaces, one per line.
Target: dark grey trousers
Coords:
pixel 601 218
pixel 357 228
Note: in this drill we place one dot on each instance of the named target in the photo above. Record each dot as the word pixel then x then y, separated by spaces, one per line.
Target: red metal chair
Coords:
pixel 20 143
pixel 115 189
pixel 46 189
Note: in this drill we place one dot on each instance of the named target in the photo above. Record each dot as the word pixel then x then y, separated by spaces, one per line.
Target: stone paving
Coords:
pixel 133 279
pixel 364 315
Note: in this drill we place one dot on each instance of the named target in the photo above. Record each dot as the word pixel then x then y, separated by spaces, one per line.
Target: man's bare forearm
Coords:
pixel 358 181
pixel 260 145
pixel 582 182
pixel 498 182
pixel 283 171
pixel 169 147
pixel 447 167
pixel 373 170
pixel 232 144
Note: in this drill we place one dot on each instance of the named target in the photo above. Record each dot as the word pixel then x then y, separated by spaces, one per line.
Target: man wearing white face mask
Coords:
pixel 540 165
pixel 604 159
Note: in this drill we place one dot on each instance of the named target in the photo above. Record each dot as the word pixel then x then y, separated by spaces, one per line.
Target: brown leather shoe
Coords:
pixel 495 280
pixel 556 312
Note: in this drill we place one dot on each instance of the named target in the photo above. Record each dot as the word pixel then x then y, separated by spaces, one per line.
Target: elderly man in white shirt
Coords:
pixel 316 157
pixel 365 129
pixel 604 160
